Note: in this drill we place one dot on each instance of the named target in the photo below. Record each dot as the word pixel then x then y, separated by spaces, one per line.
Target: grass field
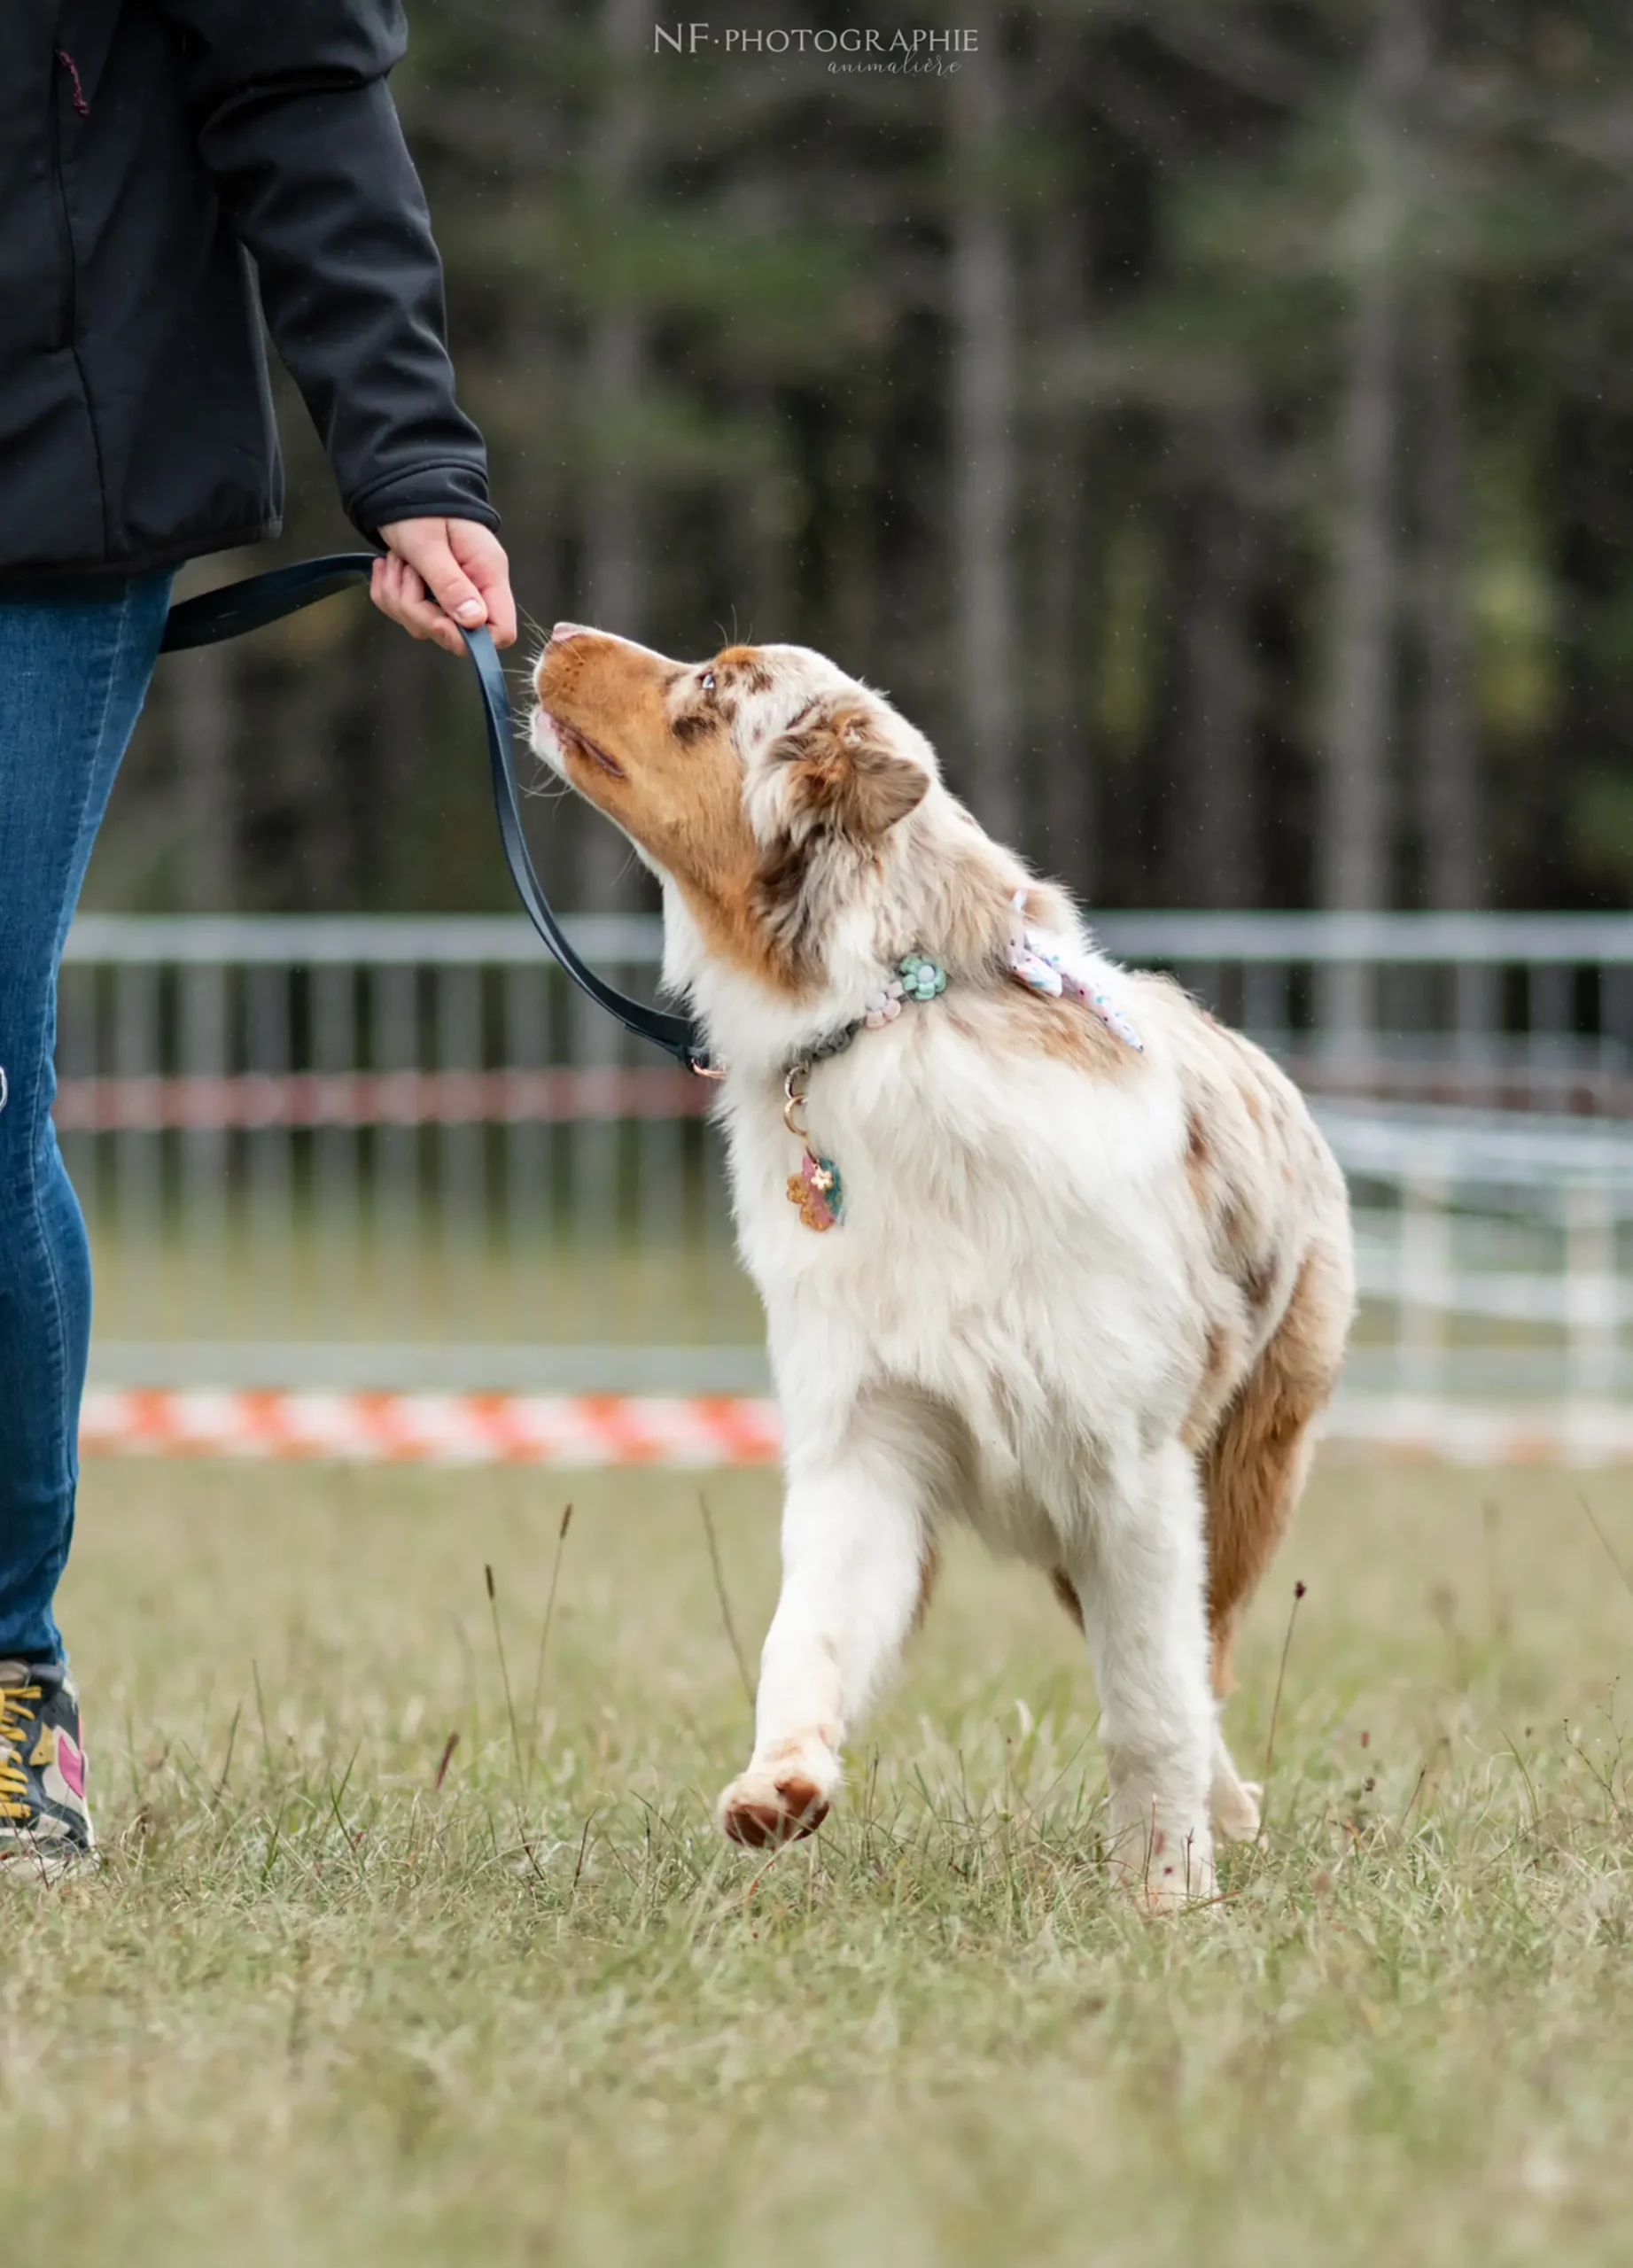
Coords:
pixel 318 2008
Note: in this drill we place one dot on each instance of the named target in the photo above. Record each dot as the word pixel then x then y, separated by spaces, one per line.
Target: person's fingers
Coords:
pixel 386 588
pixel 435 568
pixel 398 591
pixel 482 556
pixel 424 545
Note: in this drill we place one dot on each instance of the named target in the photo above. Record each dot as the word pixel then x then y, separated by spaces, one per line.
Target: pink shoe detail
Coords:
pixel 71 1763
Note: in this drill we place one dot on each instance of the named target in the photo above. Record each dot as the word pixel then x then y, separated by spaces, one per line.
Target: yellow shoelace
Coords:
pixel 14 1723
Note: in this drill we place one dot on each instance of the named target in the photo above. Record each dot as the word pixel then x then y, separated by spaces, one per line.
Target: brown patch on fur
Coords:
pixel 1014 1020
pixel 1258 1279
pixel 845 789
pixel 1198 1157
pixel 783 905
pixel 679 793
pixel 1218 1363
pixel 966 907
pixel 1232 1226
pixel 846 777
pixel 743 666
pixel 1061 1584
pixel 799 1810
pixel 1255 1466
pixel 1242 1254
pixel 1072 1034
pixel 930 1568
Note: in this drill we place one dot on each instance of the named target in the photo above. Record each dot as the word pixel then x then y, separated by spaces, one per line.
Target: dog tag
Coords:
pixel 816 1192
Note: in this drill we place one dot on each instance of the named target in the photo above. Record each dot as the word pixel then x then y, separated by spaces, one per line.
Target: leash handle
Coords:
pixel 259 600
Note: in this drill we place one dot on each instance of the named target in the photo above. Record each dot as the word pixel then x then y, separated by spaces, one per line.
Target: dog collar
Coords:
pixel 917 977
pixel 1040 958
pixel 816 1189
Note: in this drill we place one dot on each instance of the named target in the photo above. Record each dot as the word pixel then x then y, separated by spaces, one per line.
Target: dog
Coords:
pixel 1043 1248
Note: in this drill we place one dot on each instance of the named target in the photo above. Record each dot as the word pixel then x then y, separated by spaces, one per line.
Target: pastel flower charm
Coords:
pixel 923 977
pixel 885 1006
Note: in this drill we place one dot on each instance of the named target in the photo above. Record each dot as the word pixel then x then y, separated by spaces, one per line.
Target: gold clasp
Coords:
pixel 794 1097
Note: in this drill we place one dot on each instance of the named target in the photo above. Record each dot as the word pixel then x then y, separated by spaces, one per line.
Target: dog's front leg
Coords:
pixel 854 1562
pixel 1140 1583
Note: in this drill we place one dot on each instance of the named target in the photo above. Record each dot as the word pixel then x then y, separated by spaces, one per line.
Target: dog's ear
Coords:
pixel 843 777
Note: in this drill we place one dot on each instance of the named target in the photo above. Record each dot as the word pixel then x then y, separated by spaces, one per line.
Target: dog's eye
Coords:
pixel 708 680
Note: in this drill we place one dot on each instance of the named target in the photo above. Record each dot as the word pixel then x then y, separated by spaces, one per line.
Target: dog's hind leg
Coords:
pixel 1139 1582
pixel 1233 1801
pixel 857 1561
pixel 1254 1471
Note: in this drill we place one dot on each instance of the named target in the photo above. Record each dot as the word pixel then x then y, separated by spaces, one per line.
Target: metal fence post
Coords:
pixel 1424 1274
pixel 1592 1302
pixel 235 1049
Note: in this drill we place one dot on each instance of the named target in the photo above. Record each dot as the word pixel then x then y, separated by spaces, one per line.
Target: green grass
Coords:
pixel 316 2008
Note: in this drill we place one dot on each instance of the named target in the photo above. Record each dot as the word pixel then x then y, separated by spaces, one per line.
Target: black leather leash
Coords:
pixel 262 599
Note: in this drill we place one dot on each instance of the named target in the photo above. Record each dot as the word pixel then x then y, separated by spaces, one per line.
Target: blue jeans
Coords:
pixel 75 666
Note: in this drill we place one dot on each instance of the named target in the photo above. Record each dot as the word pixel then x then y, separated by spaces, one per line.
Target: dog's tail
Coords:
pixel 1254 1467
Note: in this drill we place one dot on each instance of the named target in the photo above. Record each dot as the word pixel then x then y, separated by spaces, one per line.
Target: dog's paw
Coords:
pixel 1165 1871
pixel 763 1810
pixel 1235 1806
pixel 1162 1891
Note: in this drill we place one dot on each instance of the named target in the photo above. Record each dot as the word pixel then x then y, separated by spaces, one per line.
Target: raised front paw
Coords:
pixel 763 1808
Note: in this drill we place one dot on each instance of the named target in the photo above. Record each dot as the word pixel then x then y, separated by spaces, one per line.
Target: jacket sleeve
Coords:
pixel 301 138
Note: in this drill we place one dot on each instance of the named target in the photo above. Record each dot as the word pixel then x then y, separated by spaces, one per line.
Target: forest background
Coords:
pixel 1211 420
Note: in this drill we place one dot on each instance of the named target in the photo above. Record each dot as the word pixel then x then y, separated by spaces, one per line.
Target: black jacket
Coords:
pixel 158 159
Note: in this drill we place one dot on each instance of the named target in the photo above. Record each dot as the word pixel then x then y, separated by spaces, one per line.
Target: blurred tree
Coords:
pixel 1211 419
pixel 985 318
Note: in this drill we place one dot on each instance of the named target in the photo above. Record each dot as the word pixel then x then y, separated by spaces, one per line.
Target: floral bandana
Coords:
pixel 1045 961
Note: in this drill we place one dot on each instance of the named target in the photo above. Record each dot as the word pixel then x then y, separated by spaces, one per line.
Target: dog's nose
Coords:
pixel 565 630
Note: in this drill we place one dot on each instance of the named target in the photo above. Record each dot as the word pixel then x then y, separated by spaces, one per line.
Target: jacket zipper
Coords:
pixel 67 310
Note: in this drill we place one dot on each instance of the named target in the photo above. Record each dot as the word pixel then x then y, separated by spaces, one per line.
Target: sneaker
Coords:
pixel 45 1829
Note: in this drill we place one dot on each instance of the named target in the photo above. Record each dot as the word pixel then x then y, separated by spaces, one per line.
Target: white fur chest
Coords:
pixel 1006 1256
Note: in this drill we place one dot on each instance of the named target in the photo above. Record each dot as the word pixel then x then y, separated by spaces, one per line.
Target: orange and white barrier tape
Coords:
pixel 434 1428
pixel 1410 1430
pixel 721 1430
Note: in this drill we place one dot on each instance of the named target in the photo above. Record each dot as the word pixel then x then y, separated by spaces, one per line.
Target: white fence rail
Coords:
pixel 399 1153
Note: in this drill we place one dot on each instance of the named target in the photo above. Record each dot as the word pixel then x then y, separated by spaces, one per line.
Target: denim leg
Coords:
pixel 74 667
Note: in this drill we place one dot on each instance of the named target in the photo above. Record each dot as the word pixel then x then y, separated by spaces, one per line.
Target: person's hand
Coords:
pixel 437 568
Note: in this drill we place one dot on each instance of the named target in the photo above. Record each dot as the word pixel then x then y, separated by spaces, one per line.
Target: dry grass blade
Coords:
pixel 327 2013
pixel 1592 1519
pixel 1281 1672
pixel 544 1640
pixel 725 1602
pixel 504 1674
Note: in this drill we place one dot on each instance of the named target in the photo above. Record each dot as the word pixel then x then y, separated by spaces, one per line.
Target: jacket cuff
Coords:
pixel 454 492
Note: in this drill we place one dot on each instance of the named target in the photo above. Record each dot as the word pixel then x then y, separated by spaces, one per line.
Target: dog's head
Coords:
pixel 765 785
